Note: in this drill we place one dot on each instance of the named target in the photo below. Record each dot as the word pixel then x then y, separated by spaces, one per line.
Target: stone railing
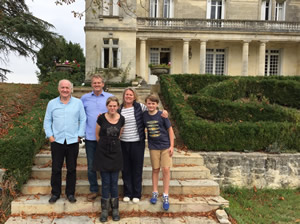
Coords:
pixel 254 169
pixel 218 25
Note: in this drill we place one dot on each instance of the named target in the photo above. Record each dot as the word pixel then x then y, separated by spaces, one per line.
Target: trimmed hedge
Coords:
pixel 227 111
pixel 18 147
pixel 201 134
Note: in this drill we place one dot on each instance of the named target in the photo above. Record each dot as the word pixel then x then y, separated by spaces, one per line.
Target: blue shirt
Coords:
pixel 157 130
pixel 65 121
pixel 93 106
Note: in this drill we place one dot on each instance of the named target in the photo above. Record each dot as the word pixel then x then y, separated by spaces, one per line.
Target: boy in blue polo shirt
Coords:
pixel 161 146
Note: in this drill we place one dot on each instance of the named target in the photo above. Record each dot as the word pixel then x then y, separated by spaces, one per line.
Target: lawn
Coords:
pixel 15 100
pixel 263 206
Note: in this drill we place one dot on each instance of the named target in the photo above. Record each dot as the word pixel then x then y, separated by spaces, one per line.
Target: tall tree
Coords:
pixel 58 51
pixel 20 31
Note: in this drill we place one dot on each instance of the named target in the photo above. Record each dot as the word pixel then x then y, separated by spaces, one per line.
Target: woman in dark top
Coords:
pixel 108 157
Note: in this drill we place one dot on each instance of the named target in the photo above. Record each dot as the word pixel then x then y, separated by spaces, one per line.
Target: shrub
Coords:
pixel 237 130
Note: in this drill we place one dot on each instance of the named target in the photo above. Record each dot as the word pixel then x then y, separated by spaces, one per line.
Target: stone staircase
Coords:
pixel 191 190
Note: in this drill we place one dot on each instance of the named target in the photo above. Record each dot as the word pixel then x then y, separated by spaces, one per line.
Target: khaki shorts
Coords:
pixel 160 159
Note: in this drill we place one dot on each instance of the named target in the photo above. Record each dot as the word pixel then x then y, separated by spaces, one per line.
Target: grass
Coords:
pixel 265 206
pixel 15 100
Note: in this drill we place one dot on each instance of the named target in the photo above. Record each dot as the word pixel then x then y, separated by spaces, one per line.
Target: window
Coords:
pixel 111 54
pixel 272 62
pixel 280 11
pixel 268 13
pixel 154 8
pixel 110 7
pixel 168 11
pixel 160 56
pixel 215 9
pixel 215 61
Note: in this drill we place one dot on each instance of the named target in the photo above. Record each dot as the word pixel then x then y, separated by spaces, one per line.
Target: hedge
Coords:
pixel 18 147
pixel 201 134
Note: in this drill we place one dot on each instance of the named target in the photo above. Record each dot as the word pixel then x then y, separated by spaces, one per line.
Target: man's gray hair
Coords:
pixel 71 84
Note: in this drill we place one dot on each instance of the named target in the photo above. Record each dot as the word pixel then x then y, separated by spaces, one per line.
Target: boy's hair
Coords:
pixel 152 98
pixel 112 99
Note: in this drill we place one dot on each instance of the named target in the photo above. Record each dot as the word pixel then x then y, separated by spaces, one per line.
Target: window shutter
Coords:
pixel 263 10
pixel 283 11
pixel 102 57
pixel 119 58
pixel 171 8
pixel 115 8
pixel 223 9
pixel 208 9
pixel 105 7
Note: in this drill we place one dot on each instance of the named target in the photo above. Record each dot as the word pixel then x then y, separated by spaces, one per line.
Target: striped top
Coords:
pixel 130 132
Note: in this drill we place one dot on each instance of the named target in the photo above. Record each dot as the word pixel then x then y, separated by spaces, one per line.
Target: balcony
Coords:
pixel 217 25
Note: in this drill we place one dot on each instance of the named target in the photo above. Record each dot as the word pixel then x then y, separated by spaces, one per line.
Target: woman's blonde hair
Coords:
pixel 112 99
pixel 134 93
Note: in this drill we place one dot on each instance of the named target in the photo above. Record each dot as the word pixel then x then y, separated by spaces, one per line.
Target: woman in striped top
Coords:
pixel 133 145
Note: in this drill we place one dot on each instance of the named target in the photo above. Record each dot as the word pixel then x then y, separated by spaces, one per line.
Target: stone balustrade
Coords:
pixel 254 169
pixel 219 25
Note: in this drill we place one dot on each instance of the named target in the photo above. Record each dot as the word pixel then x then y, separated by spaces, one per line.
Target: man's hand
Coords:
pixel 51 139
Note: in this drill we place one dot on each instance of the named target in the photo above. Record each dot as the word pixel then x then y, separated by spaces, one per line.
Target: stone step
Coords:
pixel 182 172
pixel 94 219
pixel 177 187
pixel 38 204
pixel 179 158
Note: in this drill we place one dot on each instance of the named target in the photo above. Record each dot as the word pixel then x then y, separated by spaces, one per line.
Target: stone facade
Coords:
pixel 254 169
pixel 230 37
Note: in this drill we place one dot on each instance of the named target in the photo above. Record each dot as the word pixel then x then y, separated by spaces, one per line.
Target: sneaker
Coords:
pixel 135 200
pixel 126 199
pixel 166 204
pixel 153 200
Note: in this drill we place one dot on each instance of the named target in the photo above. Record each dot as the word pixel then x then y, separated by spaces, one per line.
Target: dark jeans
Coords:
pixel 58 153
pixel 133 162
pixel 110 184
pixel 90 149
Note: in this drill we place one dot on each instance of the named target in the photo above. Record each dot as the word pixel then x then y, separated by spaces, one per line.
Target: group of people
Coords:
pixel 114 141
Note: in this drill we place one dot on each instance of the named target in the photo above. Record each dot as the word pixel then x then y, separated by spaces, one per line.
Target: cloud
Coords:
pixel 24 70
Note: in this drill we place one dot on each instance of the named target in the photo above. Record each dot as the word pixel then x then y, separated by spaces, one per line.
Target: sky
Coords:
pixel 24 69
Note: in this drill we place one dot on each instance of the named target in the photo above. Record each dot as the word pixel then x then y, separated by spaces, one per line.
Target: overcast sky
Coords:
pixel 24 70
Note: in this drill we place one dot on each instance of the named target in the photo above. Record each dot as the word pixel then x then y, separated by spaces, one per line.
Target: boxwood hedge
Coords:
pixel 210 120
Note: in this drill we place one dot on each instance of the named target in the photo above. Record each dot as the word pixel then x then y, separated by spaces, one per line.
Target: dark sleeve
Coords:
pixel 167 123
pixel 100 119
pixel 122 120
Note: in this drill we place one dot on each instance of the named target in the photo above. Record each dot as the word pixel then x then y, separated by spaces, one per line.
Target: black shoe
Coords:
pixel 71 198
pixel 53 199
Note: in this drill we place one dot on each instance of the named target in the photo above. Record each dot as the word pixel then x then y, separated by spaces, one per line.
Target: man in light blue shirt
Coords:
pixel 64 125
pixel 94 104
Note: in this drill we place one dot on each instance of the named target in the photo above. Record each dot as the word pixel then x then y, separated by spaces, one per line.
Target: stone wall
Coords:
pixel 254 169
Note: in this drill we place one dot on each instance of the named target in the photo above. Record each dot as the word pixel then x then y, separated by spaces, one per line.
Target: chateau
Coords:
pixel 223 37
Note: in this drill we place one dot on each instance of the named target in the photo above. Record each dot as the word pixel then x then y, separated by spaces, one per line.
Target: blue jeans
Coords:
pixel 110 184
pixel 90 148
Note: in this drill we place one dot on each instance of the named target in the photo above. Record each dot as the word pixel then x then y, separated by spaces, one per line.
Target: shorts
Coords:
pixel 160 158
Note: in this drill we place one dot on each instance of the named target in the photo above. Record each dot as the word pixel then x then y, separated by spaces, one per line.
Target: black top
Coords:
pixel 108 156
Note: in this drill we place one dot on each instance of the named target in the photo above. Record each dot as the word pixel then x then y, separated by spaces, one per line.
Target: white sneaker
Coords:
pixel 126 199
pixel 135 200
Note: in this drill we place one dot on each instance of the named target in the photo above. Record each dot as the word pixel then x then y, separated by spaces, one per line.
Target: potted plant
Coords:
pixel 160 69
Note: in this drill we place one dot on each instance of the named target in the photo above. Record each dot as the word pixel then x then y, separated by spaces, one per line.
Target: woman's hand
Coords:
pixel 165 114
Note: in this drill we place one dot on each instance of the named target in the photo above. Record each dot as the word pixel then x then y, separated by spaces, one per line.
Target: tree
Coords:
pixel 20 31
pixel 58 52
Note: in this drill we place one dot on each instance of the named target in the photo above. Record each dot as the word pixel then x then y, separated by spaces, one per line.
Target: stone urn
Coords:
pixel 159 70
pixel 63 68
